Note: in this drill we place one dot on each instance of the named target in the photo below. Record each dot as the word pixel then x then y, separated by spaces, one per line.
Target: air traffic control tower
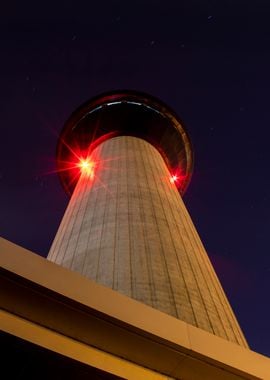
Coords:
pixel 128 291
pixel 126 226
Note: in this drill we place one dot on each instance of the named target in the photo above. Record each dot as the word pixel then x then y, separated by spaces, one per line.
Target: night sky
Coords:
pixel 208 60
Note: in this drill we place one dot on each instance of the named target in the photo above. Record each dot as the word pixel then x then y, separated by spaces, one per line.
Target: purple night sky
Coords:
pixel 208 60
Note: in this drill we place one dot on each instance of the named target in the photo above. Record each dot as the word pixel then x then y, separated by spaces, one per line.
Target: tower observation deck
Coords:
pixel 126 226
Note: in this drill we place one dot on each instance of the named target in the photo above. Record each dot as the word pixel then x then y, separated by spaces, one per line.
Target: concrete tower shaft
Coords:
pixel 128 229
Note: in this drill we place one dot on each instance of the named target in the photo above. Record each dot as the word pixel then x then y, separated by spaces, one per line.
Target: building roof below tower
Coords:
pixel 68 314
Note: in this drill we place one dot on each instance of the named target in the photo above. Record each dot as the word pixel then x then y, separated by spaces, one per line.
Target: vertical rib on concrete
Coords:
pixel 128 229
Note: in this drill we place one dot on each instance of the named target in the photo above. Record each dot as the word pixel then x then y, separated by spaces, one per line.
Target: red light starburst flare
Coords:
pixel 86 167
pixel 173 178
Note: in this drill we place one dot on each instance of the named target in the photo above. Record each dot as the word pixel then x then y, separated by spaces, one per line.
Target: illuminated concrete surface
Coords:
pixel 65 312
pixel 128 229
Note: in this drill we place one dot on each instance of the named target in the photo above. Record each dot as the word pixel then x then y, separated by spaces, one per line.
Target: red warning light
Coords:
pixel 87 167
pixel 173 178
